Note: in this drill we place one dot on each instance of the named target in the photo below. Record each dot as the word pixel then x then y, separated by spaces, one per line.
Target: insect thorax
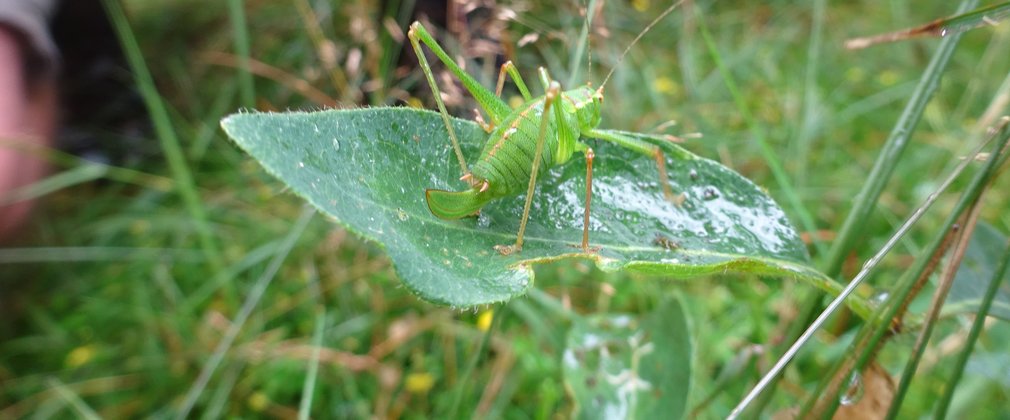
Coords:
pixel 585 103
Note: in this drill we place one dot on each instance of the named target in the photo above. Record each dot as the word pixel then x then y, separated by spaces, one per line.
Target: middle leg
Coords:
pixel 552 93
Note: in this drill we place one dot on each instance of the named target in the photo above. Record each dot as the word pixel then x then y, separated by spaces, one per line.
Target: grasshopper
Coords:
pixel 524 142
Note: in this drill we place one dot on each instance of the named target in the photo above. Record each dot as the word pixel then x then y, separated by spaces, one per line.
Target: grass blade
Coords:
pixel 255 294
pixel 970 194
pixel 883 168
pixel 166 134
pixel 778 171
pixel 305 407
pixel 892 151
pixel 72 254
pixel 877 330
pixel 976 330
pixel 485 344
pixel 247 91
pixel 79 175
pixel 219 399
pixel 805 138
pixel 939 297
pixel 74 400
pixel 581 46
pixel 988 15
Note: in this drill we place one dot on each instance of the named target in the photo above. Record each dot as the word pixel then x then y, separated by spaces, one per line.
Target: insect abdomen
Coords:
pixel 507 158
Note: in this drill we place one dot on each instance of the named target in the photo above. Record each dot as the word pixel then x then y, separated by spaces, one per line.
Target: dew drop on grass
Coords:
pixel 853 391
pixel 336 144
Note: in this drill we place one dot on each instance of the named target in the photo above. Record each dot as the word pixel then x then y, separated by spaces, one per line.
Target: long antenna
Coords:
pixel 640 35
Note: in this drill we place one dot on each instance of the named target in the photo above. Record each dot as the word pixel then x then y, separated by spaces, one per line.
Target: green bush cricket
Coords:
pixel 526 141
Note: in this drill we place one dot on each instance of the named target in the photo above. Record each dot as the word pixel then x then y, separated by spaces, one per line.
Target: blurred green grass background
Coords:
pixel 118 300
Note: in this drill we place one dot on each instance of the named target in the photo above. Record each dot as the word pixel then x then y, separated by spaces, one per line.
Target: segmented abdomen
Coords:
pixel 507 158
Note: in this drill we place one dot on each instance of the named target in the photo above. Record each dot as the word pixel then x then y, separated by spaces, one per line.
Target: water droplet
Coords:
pixel 301 164
pixel 336 144
pixel 943 32
pixel 710 193
pixel 854 391
pixel 880 298
pixel 693 174
pixel 483 221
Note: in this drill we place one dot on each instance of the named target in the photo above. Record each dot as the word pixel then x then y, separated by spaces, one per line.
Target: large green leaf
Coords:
pixel 619 367
pixel 368 169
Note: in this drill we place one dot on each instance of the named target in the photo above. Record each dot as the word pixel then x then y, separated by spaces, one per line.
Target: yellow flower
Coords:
pixel 419 383
pixel 484 319
pixel 258 401
pixel 79 356
pixel 665 85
